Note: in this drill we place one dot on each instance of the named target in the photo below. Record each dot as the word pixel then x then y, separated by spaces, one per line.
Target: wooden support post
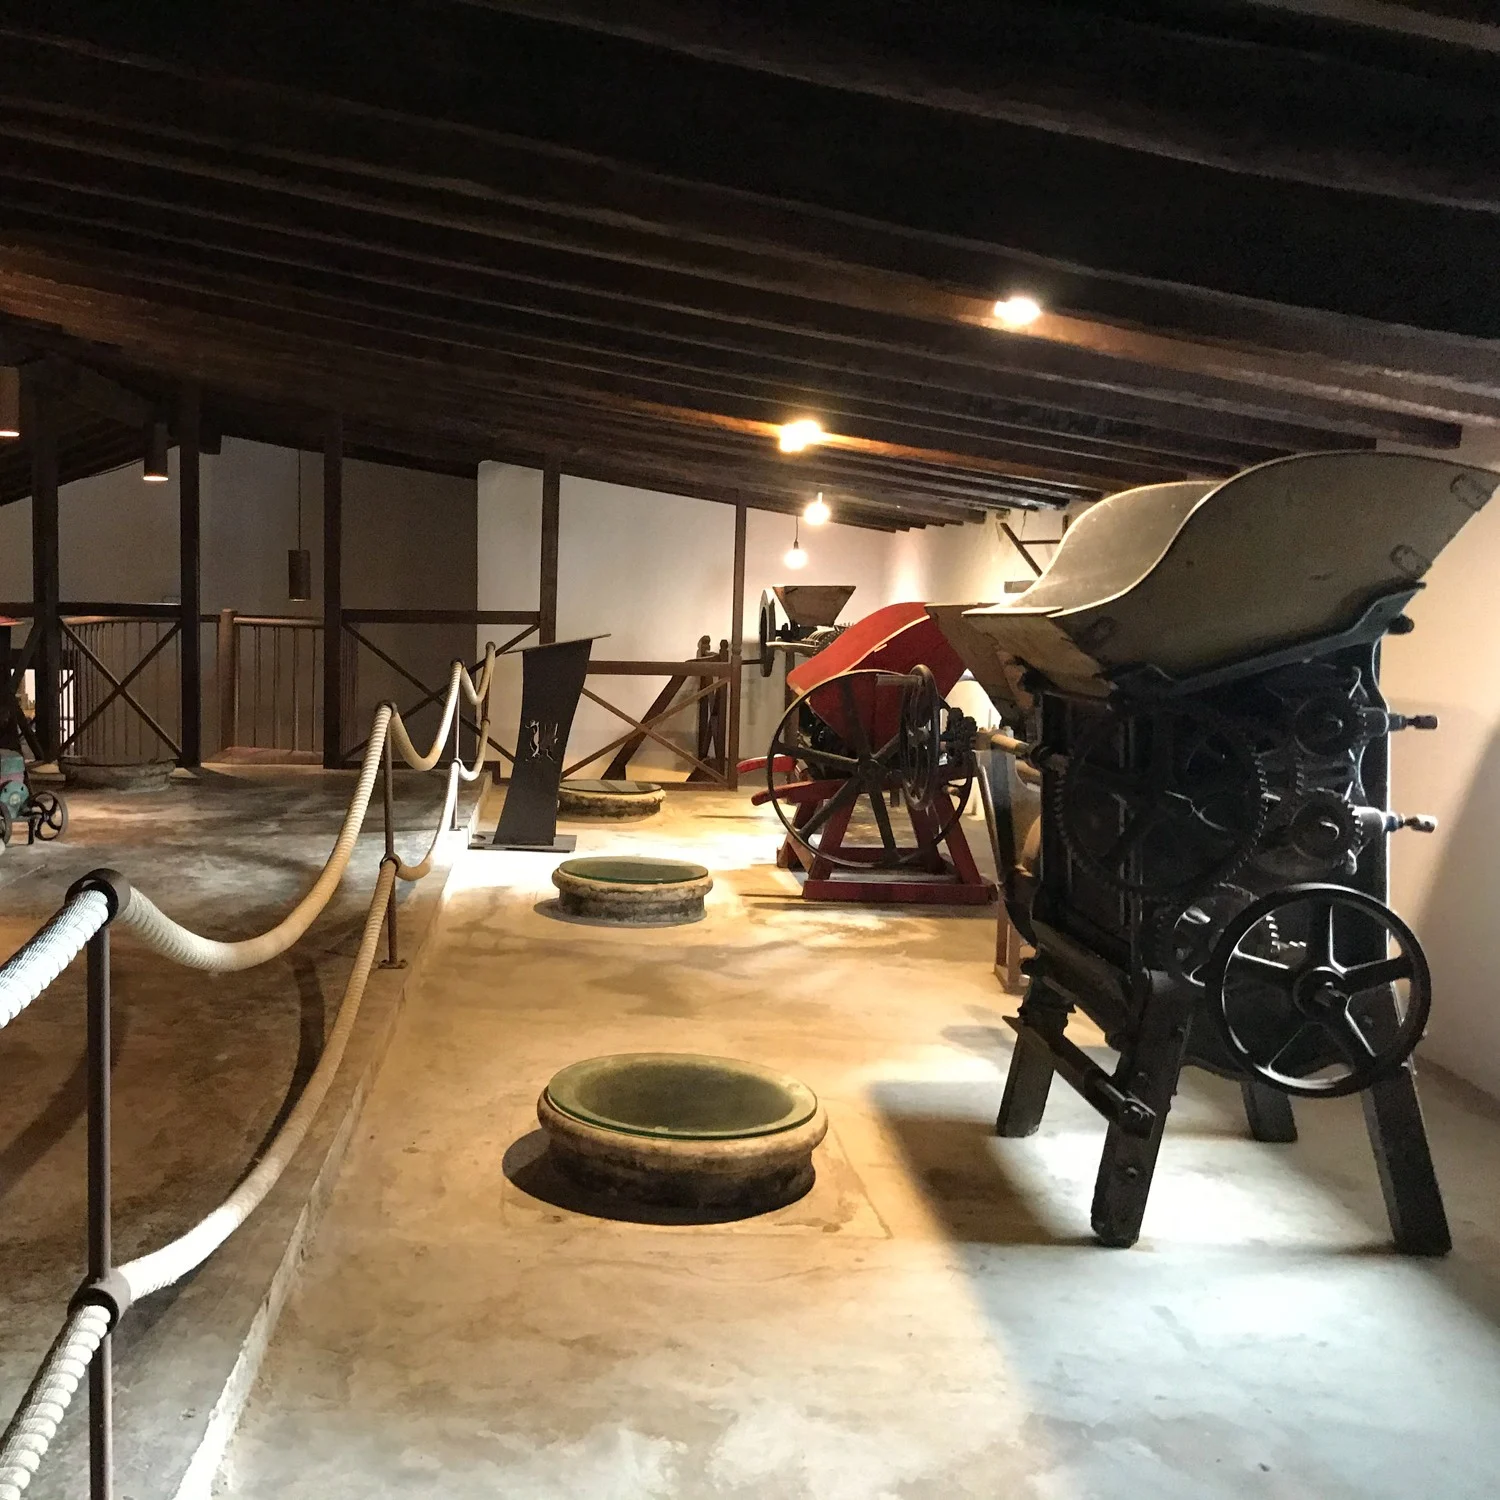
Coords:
pixel 736 652
pixel 189 513
pixel 333 593
pixel 46 587
pixel 227 668
pixel 551 518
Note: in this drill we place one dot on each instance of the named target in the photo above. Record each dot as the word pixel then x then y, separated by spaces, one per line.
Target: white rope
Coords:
pixel 171 939
pixel 149 1273
pixel 457 772
pixel 34 965
pixel 458 681
pixel 174 941
pixel 48 1397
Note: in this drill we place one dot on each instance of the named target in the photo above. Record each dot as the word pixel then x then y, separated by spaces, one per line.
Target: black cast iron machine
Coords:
pixel 1196 679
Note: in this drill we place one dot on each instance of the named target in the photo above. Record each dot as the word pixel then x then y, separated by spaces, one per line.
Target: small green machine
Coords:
pixel 44 813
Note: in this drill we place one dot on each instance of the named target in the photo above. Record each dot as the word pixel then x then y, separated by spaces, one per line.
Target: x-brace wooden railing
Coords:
pixel 119 686
pixel 430 695
pixel 715 669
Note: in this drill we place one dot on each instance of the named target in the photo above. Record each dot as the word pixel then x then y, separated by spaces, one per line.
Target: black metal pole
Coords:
pixel 101 1249
pixel 392 959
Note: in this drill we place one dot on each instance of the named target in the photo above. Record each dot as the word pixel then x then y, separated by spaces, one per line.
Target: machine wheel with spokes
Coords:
pixel 843 753
pixel 49 815
pixel 1319 990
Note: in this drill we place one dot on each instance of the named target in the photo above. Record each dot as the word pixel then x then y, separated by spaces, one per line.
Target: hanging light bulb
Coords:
pixel 157 442
pixel 10 402
pixel 298 558
pixel 796 558
pixel 817 512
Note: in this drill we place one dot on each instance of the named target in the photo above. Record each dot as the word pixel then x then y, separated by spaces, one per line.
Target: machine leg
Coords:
pixel 1413 1200
pixel 1029 1079
pixel 1269 1112
pixel 1149 1070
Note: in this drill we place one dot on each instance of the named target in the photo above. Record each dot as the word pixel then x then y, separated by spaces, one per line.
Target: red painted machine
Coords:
pixel 869 743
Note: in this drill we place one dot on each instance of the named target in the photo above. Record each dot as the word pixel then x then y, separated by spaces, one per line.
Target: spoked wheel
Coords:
pixel 766 631
pixel 50 814
pixel 1319 990
pixel 921 748
pixel 843 738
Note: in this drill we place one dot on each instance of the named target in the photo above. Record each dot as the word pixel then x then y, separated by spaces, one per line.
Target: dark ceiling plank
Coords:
pixel 290 313
pixel 1047 66
pixel 851 308
pixel 175 228
pixel 1170 394
pixel 122 95
pixel 933 171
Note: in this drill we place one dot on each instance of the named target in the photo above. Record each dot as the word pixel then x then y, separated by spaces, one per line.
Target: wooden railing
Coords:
pixel 703 683
pixel 270 683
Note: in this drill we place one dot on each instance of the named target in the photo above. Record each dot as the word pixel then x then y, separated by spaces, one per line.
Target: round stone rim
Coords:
pixel 567 1093
pixel 638 871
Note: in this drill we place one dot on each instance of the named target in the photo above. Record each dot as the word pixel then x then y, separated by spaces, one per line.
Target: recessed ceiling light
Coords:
pixel 1018 311
pixel 803 433
pixel 817 512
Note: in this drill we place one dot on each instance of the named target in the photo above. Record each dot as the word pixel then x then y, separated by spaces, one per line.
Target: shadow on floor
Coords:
pixel 529 1168
pixel 955 1161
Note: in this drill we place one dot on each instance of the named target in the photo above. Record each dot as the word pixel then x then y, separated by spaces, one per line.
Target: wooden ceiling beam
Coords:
pixel 852 307
pixel 125 95
pixel 361 332
pixel 932 171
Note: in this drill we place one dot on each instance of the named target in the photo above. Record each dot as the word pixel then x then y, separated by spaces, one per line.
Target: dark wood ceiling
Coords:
pixel 641 236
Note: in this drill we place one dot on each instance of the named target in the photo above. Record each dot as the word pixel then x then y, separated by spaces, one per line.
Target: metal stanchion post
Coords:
pixel 392 958
pixel 101 1250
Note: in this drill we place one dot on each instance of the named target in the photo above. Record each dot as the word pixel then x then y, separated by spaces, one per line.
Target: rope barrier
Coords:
pixel 150 1273
pixel 171 939
pixel 39 960
pixel 48 1397
pixel 28 972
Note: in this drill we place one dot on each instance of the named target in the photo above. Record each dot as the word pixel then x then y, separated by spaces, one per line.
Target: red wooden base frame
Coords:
pixel 954 880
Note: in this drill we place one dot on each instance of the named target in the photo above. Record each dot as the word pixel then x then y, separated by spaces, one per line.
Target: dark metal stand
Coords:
pixel 101 1249
pixel 552 679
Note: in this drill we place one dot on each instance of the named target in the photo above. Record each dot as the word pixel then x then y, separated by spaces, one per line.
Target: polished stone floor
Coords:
pixel 933 1320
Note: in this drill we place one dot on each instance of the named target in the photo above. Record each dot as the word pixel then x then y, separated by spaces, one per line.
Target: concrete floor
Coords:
pixel 204 1065
pixel 933 1320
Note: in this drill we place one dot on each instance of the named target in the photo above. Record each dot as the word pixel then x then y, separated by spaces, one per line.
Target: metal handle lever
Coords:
pixel 1418 823
pixel 1411 721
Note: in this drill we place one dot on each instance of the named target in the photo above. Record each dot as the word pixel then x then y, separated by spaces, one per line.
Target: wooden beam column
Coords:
pixel 41 422
pixel 736 651
pixel 333 593
pixel 551 521
pixel 189 533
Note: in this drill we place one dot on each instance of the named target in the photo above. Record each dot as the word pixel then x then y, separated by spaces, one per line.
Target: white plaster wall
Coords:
pixel 654 571
pixel 1447 884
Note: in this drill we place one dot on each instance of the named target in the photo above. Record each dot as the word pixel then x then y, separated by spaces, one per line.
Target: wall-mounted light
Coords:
pixel 10 402
pixel 1018 311
pixel 817 513
pixel 796 558
pixel 801 434
pixel 155 470
pixel 298 558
